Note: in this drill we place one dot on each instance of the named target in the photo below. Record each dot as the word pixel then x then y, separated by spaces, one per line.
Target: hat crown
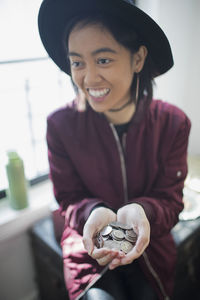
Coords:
pixel 54 16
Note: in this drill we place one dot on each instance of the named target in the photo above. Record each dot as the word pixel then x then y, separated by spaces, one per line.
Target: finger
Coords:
pixel 99 253
pixel 136 252
pixel 114 263
pixel 88 243
pixel 130 257
pixel 106 259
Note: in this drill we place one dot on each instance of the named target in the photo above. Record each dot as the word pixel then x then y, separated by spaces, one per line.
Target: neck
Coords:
pixel 120 116
pixel 121 107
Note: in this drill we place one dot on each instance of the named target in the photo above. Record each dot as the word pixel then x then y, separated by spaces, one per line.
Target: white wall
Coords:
pixel 180 20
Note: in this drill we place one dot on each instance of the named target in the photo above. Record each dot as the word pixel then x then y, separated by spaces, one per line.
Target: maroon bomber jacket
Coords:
pixel 88 167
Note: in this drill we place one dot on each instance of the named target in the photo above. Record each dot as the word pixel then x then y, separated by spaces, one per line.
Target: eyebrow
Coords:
pixel 100 50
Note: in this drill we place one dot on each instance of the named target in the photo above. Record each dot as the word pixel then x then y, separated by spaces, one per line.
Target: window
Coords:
pixel 30 90
pixel 31 87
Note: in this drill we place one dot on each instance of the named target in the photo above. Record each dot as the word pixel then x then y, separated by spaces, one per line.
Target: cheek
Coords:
pixel 113 76
pixel 123 75
pixel 76 78
pixel 122 82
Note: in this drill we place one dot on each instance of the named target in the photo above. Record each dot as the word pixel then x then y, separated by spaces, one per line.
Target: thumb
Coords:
pixel 88 239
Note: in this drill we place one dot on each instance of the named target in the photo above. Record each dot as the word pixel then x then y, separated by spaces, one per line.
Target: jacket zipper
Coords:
pixel 122 148
pixel 122 160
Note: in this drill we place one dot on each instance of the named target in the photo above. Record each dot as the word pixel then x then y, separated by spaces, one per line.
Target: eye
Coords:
pixel 103 61
pixel 76 64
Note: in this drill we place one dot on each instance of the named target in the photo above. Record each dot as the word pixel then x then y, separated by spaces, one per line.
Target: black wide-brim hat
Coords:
pixel 54 15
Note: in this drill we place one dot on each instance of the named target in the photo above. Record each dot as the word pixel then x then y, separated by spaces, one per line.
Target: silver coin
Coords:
pixel 120 225
pixel 118 235
pixel 106 230
pixel 99 241
pixel 106 237
pixel 112 244
pixel 114 224
pixel 131 233
pixel 130 239
pixel 108 244
pixel 126 246
pixel 125 226
pixel 131 236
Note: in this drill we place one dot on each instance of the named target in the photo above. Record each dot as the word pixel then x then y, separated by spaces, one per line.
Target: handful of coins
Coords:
pixel 116 236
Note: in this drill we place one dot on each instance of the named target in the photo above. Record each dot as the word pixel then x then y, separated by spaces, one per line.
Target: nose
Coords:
pixel 92 75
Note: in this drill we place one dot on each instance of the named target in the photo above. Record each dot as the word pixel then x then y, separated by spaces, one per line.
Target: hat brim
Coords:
pixel 54 16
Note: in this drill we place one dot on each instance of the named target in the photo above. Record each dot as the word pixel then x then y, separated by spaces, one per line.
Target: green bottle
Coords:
pixel 17 191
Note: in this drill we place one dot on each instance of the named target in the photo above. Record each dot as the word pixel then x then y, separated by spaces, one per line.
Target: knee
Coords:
pixel 97 294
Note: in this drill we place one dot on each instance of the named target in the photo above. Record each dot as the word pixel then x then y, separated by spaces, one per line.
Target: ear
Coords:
pixel 139 58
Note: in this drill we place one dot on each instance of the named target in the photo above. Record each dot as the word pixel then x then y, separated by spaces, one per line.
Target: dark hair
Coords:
pixel 124 35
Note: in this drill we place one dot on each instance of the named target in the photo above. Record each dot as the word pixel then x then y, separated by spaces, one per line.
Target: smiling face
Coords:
pixel 101 67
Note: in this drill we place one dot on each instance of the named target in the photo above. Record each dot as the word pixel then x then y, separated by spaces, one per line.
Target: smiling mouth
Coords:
pixel 98 93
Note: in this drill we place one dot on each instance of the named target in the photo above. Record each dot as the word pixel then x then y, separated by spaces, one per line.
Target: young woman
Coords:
pixel 121 156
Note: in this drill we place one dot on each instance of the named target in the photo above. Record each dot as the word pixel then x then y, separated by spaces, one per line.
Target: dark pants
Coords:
pixel 122 283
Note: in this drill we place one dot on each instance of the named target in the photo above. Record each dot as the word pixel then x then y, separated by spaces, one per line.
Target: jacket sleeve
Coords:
pixel 72 196
pixel 164 203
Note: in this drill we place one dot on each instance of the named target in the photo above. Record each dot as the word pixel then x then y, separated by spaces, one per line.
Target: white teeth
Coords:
pixel 98 93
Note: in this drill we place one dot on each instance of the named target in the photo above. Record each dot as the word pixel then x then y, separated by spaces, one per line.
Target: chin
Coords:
pixel 98 108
